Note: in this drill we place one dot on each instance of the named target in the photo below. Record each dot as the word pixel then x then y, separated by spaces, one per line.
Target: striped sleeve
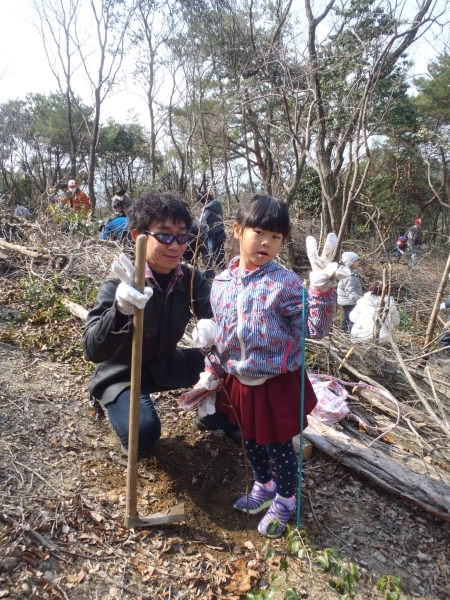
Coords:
pixel 320 308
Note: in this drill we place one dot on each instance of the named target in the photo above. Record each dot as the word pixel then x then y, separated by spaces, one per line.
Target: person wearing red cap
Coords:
pixel 76 198
pixel 414 239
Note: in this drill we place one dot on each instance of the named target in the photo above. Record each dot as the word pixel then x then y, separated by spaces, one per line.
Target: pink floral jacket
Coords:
pixel 259 318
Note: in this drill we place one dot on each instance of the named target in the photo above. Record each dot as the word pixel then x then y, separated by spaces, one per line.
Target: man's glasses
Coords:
pixel 167 238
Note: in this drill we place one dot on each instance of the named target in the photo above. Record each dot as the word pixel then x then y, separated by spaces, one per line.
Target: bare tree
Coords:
pixel 102 62
pixel 56 20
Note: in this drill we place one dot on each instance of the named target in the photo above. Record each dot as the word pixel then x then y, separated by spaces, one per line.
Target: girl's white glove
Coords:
pixel 204 333
pixel 208 380
pixel 442 306
pixel 207 406
pixel 127 297
pixel 325 275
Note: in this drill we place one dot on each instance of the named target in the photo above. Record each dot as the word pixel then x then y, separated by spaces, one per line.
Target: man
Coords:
pixel 414 239
pixel 116 227
pixel 213 218
pixel 124 198
pixel 76 198
pixel 21 211
pixel 107 337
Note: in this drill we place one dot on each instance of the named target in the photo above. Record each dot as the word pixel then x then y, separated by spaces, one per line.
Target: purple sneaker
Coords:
pixel 279 513
pixel 258 499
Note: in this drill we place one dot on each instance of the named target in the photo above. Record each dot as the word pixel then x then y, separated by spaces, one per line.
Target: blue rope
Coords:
pixel 302 409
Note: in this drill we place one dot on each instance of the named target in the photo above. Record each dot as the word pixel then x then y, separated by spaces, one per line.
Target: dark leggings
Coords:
pixel 286 464
pixel 346 324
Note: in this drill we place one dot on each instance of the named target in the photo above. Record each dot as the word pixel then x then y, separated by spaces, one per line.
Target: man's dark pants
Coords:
pixel 149 423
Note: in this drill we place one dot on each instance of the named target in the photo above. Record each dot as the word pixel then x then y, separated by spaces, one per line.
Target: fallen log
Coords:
pixel 22 250
pixel 388 406
pixel 432 495
pixel 76 309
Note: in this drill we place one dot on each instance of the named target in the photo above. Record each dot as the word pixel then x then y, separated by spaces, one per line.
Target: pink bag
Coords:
pixel 331 405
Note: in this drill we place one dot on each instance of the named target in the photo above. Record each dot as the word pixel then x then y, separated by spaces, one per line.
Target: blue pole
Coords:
pixel 302 409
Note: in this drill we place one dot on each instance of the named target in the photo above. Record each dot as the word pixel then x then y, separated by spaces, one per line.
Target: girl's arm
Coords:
pixel 320 308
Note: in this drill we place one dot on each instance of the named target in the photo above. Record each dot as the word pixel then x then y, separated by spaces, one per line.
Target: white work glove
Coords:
pixel 204 333
pixel 208 380
pixel 325 274
pixel 442 306
pixel 127 297
pixel 207 406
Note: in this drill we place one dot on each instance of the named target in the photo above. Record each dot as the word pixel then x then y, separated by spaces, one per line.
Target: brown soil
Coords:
pixel 63 477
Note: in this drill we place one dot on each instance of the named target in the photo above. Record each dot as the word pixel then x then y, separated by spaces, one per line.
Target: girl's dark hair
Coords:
pixel 265 212
pixel 376 288
pixel 158 207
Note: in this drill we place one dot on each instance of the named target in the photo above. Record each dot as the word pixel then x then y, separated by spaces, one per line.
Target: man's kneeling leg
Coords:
pixel 149 423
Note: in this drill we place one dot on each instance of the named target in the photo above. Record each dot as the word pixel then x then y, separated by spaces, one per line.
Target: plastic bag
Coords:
pixel 331 405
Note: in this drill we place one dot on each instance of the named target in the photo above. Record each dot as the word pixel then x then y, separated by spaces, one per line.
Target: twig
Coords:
pixel 64 494
pixel 427 354
pixel 445 428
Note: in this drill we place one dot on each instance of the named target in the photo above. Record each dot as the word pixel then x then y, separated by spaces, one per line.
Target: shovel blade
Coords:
pixel 170 515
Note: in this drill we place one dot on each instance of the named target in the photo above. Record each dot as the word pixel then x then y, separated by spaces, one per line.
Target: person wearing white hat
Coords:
pixel 76 198
pixel 349 290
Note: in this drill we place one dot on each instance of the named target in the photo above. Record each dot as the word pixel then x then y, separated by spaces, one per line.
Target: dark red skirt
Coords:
pixel 269 412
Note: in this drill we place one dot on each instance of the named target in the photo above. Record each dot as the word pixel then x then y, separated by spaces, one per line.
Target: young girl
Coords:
pixel 257 306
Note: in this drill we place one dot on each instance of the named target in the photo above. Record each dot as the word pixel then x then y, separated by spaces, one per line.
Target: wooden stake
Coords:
pixel 437 303
pixel 131 515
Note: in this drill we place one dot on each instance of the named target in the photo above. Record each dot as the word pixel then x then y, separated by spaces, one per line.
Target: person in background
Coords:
pixel 445 331
pixel 213 218
pixel 368 308
pixel 203 252
pixel 414 239
pixel 22 211
pixel 124 198
pixel 349 290
pixel 76 198
pixel 116 229
pixel 401 245
pixel 257 347
pixel 60 196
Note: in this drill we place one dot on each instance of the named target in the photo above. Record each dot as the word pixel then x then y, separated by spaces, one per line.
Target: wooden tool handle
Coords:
pixel 131 515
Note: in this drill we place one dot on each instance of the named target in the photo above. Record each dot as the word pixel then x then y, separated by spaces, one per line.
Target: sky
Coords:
pixel 24 68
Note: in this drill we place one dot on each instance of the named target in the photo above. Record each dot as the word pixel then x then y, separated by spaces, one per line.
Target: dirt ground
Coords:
pixel 63 498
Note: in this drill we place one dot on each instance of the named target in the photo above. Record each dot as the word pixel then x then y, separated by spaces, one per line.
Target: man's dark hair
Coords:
pixel 265 212
pixel 204 197
pixel 376 288
pixel 158 207
pixel 120 192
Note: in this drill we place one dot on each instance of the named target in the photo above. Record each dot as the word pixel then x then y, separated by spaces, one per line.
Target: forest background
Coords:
pixel 311 103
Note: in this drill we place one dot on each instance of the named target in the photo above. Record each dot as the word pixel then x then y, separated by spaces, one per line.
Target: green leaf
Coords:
pixel 283 564
pixel 272 529
pixel 323 560
pixel 301 553
pixel 291 594
pixel 294 545
pixel 269 555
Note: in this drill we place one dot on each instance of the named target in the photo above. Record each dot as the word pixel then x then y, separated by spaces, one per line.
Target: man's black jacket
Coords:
pixel 165 319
